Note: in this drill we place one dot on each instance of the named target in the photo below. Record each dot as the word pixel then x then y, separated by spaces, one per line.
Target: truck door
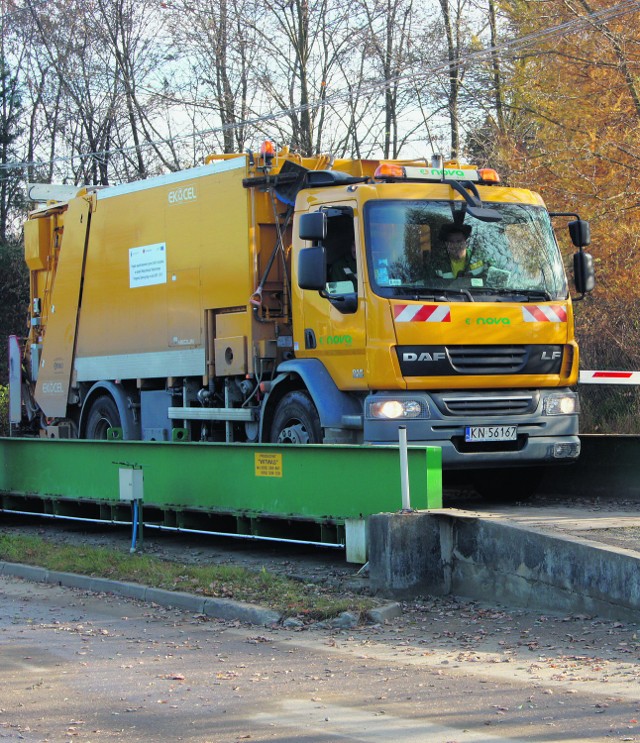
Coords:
pixel 333 320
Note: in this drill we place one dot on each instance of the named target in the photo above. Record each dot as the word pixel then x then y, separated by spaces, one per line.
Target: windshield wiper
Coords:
pixel 518 295
pixel 416 292
pixel 463 292
pixel 537 294
pixel 435 295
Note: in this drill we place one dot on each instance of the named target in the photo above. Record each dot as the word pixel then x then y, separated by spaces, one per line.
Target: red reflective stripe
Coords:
pixel 425 312
pixel 612 375
pixel 421 313
pixel 560 311
pixel 538 314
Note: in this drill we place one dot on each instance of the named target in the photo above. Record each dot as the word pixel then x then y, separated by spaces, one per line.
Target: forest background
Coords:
pixel 546 91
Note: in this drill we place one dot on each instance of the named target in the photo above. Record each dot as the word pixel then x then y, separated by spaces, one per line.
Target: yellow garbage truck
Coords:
pixel 266 297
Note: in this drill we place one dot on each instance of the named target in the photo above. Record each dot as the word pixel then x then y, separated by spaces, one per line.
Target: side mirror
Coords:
pixel 580 233
pixel 583 272
pixel 312 264
pixel 313 226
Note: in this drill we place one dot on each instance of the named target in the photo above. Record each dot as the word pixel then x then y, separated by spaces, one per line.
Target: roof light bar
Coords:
pixel 393 171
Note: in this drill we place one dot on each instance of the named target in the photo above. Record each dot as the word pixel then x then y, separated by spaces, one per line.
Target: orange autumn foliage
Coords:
pixel 572 133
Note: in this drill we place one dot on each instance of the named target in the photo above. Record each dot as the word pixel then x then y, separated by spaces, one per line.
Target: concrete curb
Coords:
pixel 385 613
pixel 211 607
pixel 226 609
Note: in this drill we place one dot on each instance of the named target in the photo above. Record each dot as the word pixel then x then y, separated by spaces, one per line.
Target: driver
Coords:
pixel 458 260
pixel 345 269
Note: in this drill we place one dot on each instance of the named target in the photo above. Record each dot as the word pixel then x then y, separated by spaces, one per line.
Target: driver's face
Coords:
pixel 456 245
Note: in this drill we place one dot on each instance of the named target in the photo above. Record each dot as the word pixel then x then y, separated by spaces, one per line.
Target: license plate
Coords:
pixel 491 433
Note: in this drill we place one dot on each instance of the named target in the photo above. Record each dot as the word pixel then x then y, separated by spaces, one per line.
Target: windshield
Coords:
pixel 428 249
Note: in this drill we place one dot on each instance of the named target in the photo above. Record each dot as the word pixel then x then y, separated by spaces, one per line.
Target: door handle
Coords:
pixel 309 339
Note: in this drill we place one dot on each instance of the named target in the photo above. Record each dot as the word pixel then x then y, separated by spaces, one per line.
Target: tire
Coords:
pixel 296 420
pixel 508 485
pixel 102 416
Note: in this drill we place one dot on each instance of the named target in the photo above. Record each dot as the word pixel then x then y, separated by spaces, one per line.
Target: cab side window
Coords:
pixel 342 268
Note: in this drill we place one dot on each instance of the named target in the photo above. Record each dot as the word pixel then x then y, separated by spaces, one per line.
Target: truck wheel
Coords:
pixel 296 420
pixel 102 416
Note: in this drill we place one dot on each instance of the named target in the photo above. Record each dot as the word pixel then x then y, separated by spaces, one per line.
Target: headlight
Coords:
pixel 396 409
pixel 560 405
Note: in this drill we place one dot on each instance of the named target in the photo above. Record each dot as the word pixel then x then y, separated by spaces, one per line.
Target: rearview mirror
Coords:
pixel 580 233
pixel 312 266
pixel 583 272
pixel 313 226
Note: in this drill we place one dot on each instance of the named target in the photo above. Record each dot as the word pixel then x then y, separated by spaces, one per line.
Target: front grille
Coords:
pixel 448 361
pixel 519 402
pixel 488 359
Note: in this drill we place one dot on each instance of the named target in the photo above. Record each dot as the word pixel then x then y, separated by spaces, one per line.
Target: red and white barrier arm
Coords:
pixel 610 377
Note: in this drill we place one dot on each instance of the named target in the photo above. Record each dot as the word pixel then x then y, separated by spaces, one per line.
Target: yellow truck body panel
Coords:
pixel 149 281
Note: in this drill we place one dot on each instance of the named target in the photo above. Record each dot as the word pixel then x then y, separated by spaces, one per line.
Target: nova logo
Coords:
pixel 489 321
pixel 336 340
pixel 410 356
pixel 182 194
pixel 448 172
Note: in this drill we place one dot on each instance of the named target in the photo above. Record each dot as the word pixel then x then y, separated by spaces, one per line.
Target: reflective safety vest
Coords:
pixel 473 267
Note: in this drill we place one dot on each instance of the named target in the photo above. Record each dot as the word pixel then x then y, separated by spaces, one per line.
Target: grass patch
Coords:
pixel 289 597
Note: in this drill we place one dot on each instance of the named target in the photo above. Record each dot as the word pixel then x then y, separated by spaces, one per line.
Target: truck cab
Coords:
pixel 478 358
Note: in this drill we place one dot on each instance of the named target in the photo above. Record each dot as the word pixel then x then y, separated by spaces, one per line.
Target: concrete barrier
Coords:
pixel 450 552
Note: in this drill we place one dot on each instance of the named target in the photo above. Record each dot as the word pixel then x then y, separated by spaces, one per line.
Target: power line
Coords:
pixel 511 47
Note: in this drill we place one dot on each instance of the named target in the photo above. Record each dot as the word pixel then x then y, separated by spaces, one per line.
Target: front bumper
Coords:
pixel 541 439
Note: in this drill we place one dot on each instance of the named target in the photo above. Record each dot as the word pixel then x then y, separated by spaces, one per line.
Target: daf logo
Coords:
pixel 410 356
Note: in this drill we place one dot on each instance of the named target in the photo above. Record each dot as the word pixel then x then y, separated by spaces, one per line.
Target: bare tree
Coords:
pixel 68 48
pixel 451 19
pixel 498 92
pixel 101 56
pixel 131 30
pixel 219 51
pixel 303 43
pixel 389 24
pixel 10 120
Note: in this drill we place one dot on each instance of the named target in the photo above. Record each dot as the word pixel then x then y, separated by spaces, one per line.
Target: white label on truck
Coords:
pixel 148 265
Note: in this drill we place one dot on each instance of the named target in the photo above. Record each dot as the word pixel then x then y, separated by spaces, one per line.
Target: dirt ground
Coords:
pixel 573 673
pixel 95 667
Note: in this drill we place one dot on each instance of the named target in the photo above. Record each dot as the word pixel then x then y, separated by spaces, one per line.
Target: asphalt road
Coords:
pixel 84 667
